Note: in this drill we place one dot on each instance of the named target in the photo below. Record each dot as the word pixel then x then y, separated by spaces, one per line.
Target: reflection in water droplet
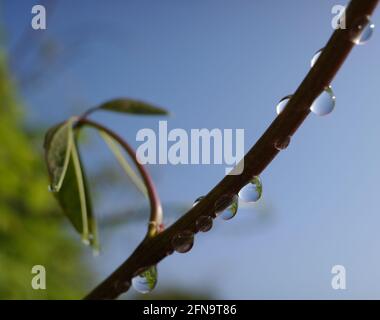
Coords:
pixel 324 103
pixel 282 104
pixel 231 210
pixel 315 57
pixel 183 241
pixel 197 200
pixel 252 191
pixel 282 143
pixel 365 28
pixel 146 281
pixel 223 203
pixel 203 223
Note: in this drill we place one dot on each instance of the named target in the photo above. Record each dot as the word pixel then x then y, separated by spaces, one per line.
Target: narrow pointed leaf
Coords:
pixel 114 147
pixel 74 199
pixel 132 106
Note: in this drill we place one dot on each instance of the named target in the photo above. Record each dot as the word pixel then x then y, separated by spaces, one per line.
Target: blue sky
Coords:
pixel 226 64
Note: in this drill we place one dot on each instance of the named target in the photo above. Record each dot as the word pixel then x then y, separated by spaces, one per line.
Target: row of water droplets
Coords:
pixel 325 102
pixel 227 206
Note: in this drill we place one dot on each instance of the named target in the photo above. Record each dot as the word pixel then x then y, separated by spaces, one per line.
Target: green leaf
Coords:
pixel 58 144
pixel 73 195
pixel 133 107
pixel 114 147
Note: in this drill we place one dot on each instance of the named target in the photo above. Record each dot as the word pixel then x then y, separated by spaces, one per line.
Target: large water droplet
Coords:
pixel 203 223
pixel 183 242
pixel 252 191
pixel 282 143
pixel 324 103
pixel 282 104
pixel 365 28
pixel 146 281
pixel 198 200
pixel 315 57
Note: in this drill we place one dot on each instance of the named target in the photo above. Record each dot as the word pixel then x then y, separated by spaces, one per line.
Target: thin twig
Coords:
pixel 155 219
pixel 151 252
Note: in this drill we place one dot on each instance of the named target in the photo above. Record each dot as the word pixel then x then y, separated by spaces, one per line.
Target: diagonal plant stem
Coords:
pixel 155 249
pixel 155 219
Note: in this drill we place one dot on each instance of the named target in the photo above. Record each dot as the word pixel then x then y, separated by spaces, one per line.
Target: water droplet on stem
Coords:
pixel 315 57
pixel 203 223
pixel 361 30
pixel 227 206
pixel 324 103
pixel 252 191
pixel 282 104
pixel 183 242
pixel 198 200
pixel 146 281
pixel 282 143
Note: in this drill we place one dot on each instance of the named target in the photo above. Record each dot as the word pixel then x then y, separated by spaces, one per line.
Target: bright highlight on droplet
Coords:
pixel 282 104
pixel 146 281
pixel 183 241
pixel 324 103
pixel 315 57
pixel 252 191
pixel 365 28
pixel 366 34
pixel 197 200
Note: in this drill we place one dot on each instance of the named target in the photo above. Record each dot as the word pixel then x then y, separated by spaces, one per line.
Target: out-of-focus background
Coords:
pixel 213 64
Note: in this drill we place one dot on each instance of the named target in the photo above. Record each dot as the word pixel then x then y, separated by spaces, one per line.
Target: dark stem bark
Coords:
pixel 152 251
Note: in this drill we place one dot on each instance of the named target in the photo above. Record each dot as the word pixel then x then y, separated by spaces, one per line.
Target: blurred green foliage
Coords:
pixel 31 229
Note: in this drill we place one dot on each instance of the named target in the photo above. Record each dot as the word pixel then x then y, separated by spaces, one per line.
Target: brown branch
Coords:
pixel 256 160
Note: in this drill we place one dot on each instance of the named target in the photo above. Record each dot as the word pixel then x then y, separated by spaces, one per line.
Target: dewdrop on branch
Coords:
pixel 183 241
pixel 365 27
pixel 203 223
pixel 282 104
pixel 324 103
pixel 315 57
pixel 226 206
pixel 282 143
pixel 146 281
pixel 252 191
pixel 197 200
